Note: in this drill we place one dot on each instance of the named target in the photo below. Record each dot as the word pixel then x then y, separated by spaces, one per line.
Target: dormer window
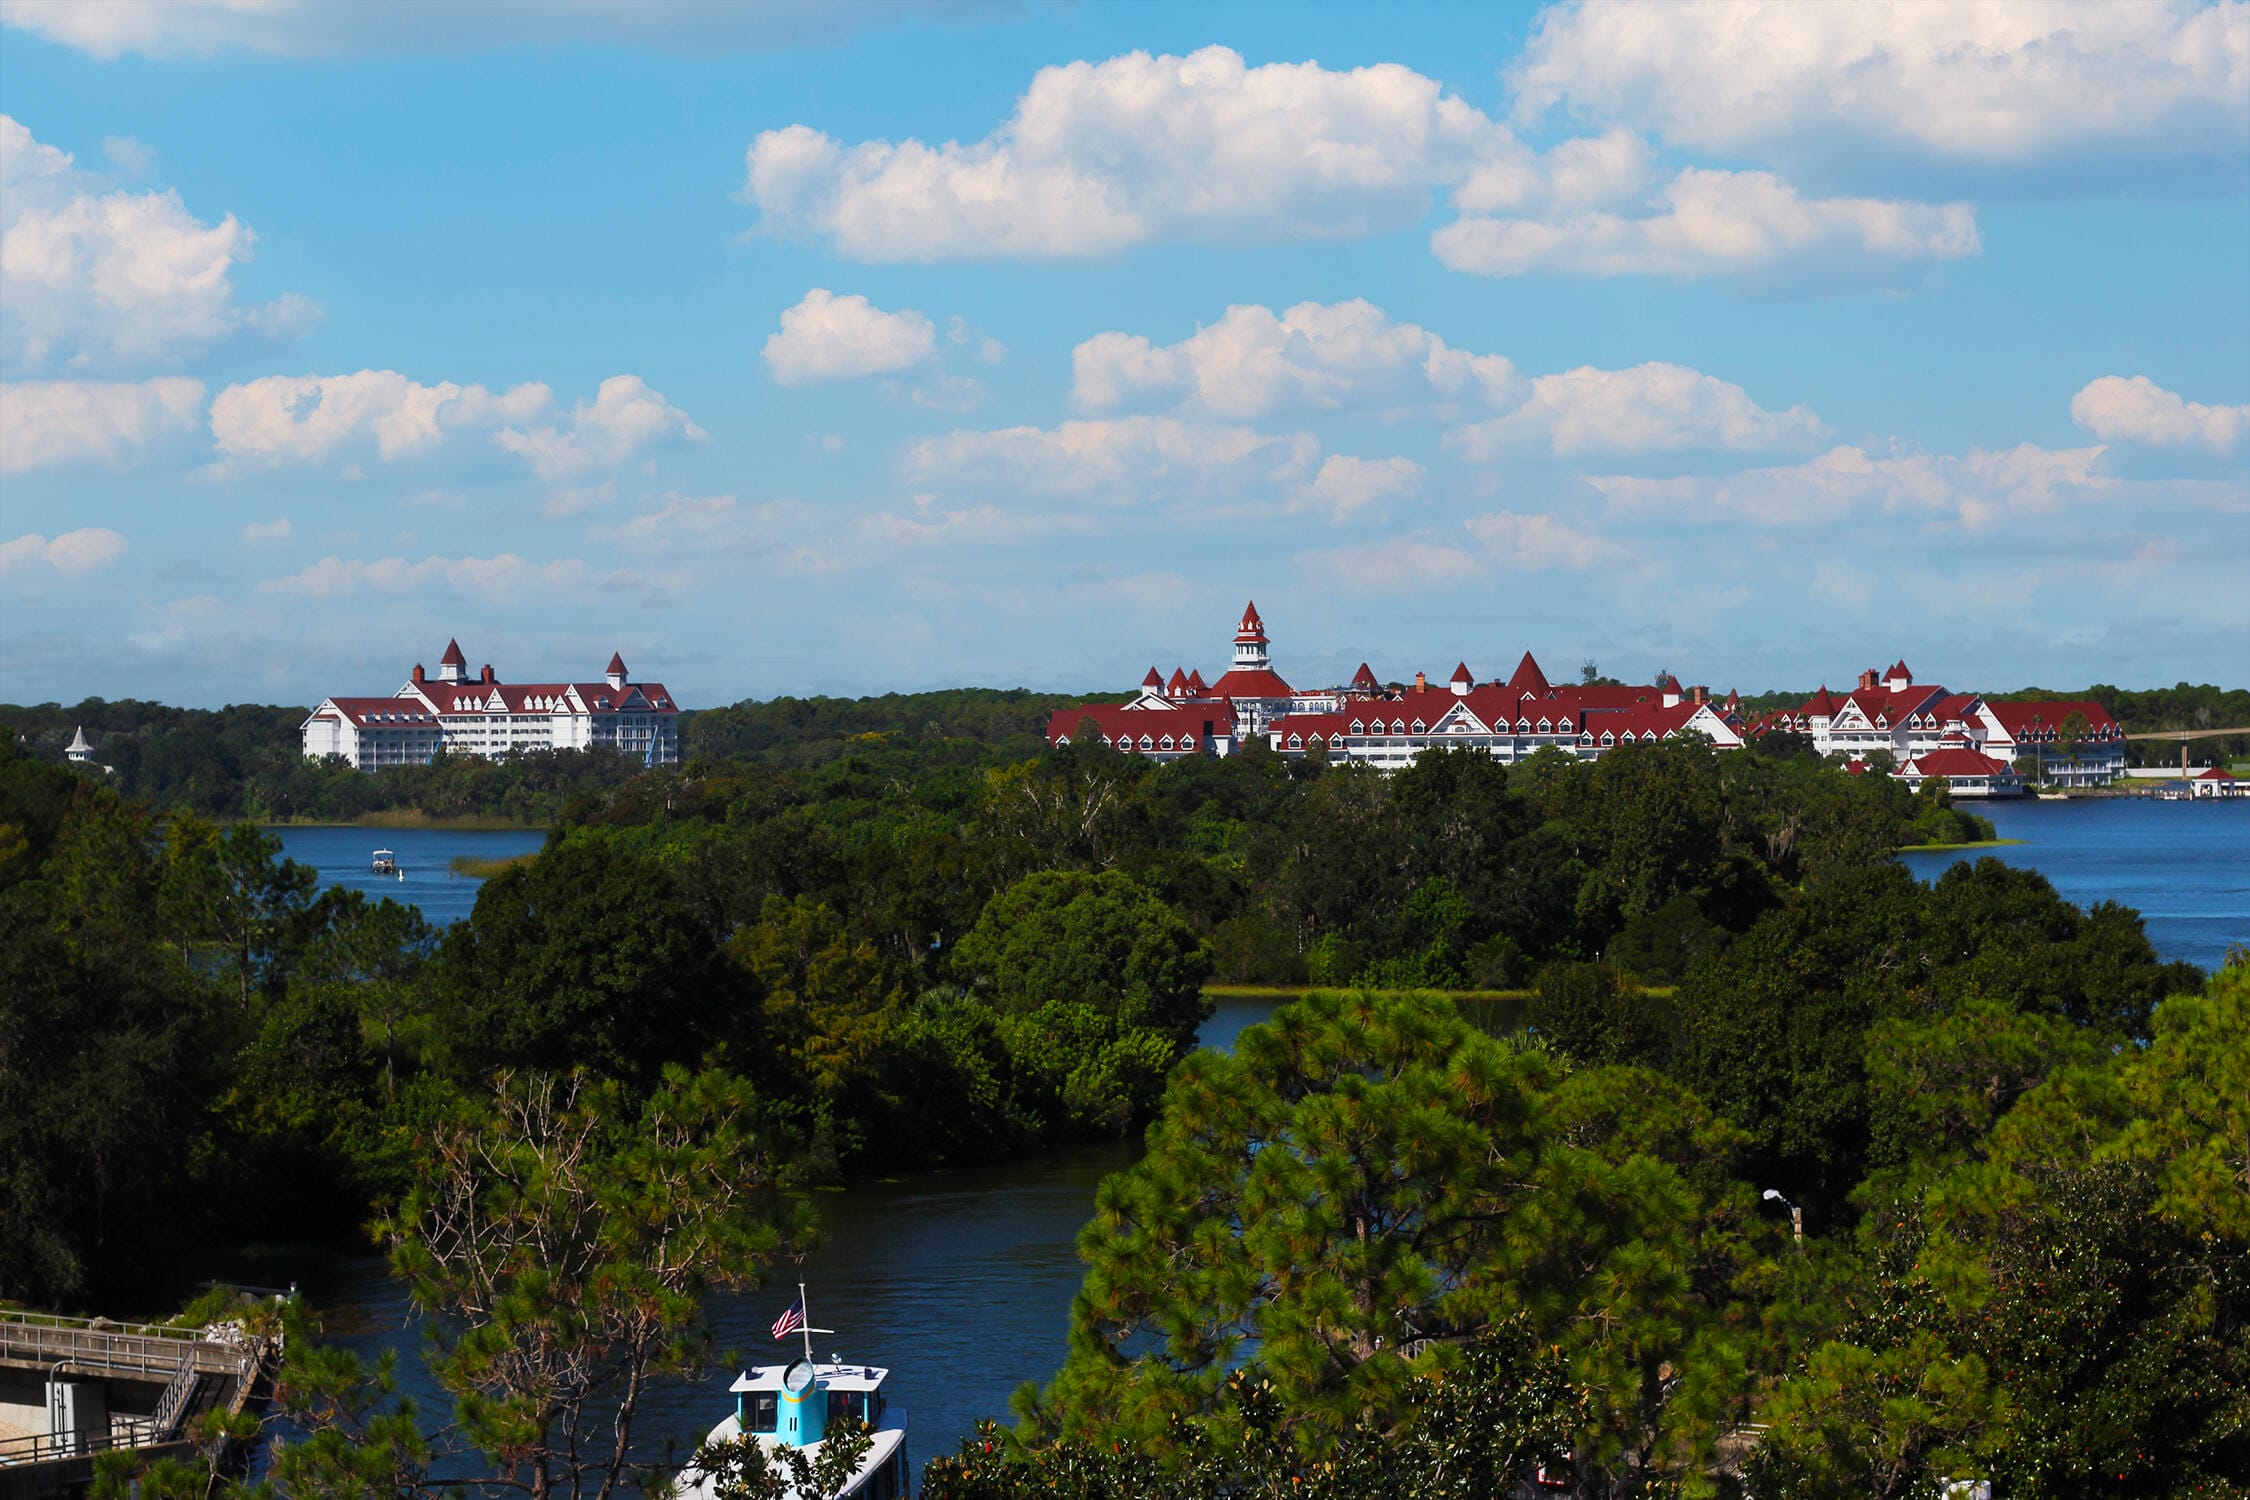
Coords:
pixel 1608 738
pixel 1419 728
pixel 1357 727
pixel 1148 742
pixel 1164 743
pixel 1296 742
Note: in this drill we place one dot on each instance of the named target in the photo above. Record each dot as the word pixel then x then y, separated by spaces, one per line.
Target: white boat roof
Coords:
pixel 828 1375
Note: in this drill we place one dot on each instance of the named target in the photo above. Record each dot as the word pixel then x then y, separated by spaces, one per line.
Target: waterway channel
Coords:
pixel 960 1281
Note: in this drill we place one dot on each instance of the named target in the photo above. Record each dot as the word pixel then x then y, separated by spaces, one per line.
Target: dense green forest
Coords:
pixel 2007 1122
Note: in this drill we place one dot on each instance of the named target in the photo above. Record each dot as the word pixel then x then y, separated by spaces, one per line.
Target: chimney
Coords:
pixel 1702 693
pixel 1421 682
pixel 1867 679
pixel 487 677
pixel 417 674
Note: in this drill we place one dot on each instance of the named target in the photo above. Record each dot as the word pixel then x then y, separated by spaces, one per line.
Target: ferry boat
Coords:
pixel 386 863
pixel 794 1406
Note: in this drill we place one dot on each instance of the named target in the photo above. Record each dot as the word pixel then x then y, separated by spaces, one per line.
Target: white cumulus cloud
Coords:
pixel 1977 489
pixel 94 280
pixel 323 28
pixel 2077 89
pixel 624 420
pixel 1649 408
pixel 268 533
pixel 1712 223
pixel 1101 156
pixel 505 576
pixel 1254 362
pixel 1346 486
pixel 53 423
pixel 2139 410
pixel 1539 543
pixel 1126 460
pixel 280 419
pixel 309 418
pixel 74 554
pixel 827 337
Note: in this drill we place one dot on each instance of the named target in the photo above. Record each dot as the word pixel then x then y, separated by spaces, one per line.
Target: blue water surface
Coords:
pixel 2185 866
pixel 343 856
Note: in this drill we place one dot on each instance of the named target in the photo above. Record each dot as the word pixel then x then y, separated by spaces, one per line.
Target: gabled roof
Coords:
pixel 453 656
pixel 1529 679
pixel 1199 725
pixel 1953 762
pixel 2216 773
pixel 1898 669
pixel 2027 717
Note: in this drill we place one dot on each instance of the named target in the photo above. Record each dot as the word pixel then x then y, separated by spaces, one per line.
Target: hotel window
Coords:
pixel 1296 743
pixel 1608 738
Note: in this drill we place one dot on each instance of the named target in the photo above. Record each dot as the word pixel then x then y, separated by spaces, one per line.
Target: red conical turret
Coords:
pixel 1252 628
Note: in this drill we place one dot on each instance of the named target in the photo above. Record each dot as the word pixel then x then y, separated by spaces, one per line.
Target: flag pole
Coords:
pixel 805 1309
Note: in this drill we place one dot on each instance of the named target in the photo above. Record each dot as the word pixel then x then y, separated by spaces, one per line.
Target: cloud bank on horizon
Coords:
pixel 1760 335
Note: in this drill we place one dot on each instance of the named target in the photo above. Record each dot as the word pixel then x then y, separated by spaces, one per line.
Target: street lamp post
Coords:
pixel 1796 1216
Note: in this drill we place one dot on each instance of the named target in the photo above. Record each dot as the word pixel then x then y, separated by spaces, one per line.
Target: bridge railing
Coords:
pixel 139 1348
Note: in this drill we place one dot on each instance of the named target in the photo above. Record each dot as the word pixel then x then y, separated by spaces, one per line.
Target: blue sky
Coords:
pixel 791 349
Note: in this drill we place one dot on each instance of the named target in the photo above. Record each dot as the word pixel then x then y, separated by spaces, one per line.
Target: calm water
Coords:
pixel 961 1281
pixel 2185 866
pixel 425 856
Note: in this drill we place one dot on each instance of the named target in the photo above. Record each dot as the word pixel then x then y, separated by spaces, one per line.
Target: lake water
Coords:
pixel 342 855
pixel 2185 866
pixel 960 1281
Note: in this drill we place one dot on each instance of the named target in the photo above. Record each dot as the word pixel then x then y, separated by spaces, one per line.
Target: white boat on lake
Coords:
pixel 795 1406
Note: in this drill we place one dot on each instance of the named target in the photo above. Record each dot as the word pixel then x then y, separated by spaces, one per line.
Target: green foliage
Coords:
pixel 560 1239
pixel 1592 1014
pixel 1101 940
pixel 1366 1185
pixel 1468 1431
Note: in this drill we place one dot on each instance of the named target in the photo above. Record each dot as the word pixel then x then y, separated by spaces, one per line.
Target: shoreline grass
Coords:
pixel 408 818
pixel 1286 992
pixel 1956 848
pixel 478 867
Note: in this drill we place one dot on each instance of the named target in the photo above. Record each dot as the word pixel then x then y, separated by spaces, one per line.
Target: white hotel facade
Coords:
pixel 463 715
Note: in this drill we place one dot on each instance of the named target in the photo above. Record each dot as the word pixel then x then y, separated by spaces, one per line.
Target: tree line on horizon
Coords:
pixel 246 761
pixel 1989 1103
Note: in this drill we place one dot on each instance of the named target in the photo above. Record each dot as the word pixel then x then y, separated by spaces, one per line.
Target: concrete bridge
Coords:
pixel 2183 736
pixel 74 1387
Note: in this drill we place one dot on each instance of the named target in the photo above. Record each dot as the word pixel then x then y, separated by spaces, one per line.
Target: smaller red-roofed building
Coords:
pixel 1965 772
pixel 2218 782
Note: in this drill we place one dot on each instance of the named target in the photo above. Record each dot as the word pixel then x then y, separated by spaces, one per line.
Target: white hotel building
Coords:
pixel 463 715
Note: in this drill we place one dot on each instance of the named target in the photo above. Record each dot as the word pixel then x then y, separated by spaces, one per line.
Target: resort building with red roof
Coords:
pixel 1919 724
pixel 458 714
pixel 1387 726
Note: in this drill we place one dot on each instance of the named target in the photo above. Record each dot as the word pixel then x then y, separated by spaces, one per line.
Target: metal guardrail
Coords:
pixel 173 1404
pixel 137 1347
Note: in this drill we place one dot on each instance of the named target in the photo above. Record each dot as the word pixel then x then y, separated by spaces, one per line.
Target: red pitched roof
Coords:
pixel 2216 773
pixel 1461 673
pixel 1198 726
pixel 617 663
pixel 1950 763
pixel 1252 628
pixel 1177 683
pixel 1529 679
pixel 1898 669
pixel 453 656
pixel 1363 680
pixel 1154 679
pixel 1195 682
pixel 1248 683
pixel 2046 718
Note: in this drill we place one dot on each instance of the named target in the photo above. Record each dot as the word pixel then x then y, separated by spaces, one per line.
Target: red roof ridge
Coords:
pixel 453 656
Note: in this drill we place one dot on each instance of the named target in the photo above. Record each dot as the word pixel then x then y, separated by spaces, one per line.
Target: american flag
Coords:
pixel 790 1321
